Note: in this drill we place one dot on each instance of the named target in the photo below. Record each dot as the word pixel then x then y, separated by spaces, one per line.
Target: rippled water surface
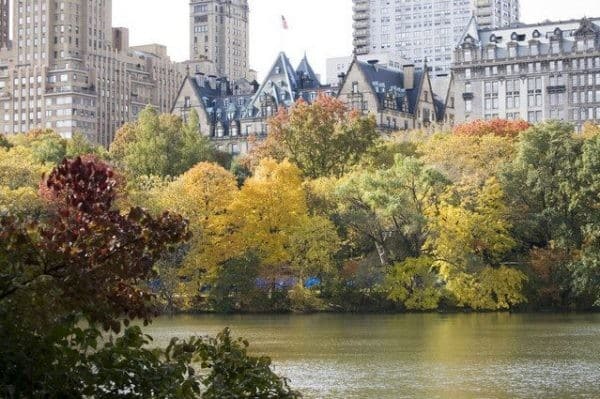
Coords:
pixel 419 356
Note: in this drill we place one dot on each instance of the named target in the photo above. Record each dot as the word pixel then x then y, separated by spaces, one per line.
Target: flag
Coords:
pixel 284 22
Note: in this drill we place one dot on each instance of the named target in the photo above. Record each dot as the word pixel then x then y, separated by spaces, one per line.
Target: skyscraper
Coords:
pixel 4 22
pixel 424 30
pixel 219 34
pixel 69 70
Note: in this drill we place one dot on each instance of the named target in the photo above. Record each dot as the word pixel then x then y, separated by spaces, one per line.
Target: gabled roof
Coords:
pixel 440 85
pixel 280 82
pixel 471 30
pixel 307 77
pixel 383 80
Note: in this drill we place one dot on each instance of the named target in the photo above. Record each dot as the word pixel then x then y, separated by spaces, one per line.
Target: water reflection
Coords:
pixel 420 356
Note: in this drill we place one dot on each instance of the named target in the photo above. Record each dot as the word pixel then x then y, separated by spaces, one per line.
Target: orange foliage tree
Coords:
pixel 323 138
pixel 495 127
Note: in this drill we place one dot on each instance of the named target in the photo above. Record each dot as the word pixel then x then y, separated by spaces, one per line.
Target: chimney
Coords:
pixel 409 76
pixel 212 82
pixel 373 62
pixel 200 78
pixel 223 86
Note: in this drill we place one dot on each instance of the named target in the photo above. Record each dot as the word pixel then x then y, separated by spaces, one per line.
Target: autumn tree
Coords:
pixel 495 127
pixel 20 174
pixel 87 260
pixel 324 138
pixel 203 195
pixel 161 145
pixel 468 159
pixel 388 206
pixel 46 145
pixel 469 241
pixel 269 216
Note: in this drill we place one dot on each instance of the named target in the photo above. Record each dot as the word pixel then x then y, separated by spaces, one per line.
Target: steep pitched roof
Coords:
pixel 471 30
pixel 440 86
pixel 382 80
pixel 307 77
pixel 280 82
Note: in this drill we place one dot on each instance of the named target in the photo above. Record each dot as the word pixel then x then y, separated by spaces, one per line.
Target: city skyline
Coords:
pixel 302 18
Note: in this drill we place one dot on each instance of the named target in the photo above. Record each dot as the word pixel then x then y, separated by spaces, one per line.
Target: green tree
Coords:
pixel 46 145
pixel 160 145
pixel 388 206
pixel 79 145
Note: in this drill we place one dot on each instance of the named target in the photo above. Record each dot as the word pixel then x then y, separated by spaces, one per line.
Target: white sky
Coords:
pixel 321 28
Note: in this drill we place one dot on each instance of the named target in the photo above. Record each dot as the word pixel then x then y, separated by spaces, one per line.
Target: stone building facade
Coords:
pixel 68 69
pixel 400 99
pixel 219 34
pixel 231 112
pixel 423 31
pixel 533 72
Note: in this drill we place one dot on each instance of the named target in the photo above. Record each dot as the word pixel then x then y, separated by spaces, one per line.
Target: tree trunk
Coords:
pixel 383 256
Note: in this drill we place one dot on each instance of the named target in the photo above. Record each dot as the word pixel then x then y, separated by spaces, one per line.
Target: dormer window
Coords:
pixel 536 34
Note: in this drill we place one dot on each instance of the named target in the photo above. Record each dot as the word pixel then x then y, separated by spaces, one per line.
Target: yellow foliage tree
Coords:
pixel 203 195
pixel 468 159
pixel 270 217
pixel 468 242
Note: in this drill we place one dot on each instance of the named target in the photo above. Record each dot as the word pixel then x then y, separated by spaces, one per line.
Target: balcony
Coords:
pixel 360 16
pixel 360 25
pixel 360 42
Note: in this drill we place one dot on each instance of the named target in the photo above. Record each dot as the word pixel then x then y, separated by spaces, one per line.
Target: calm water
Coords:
pixel 420 356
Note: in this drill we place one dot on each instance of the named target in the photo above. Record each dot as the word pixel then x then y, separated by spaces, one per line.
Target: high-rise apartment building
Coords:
pixel 219 33
pixel 4 22
pixel 425 31
pixel 69 70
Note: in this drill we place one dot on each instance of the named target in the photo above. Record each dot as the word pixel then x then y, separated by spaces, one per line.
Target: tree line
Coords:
pixel 326 215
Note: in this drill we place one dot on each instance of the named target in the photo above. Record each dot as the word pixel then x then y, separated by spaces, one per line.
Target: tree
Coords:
pixel 469 241
pixel 323 138
pixel 269 217
pixel 542 184
pixel 19 180
pixel 79 145
pixel 46 145
pixel 496 127
pixel 19 168
pixel 468 160
pixel 83 264
pixel 388 206
pixel 4 143
pixel 415 284
pixel 160 145
pixel 203 195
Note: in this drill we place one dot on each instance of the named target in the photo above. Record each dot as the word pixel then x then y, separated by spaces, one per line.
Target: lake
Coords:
pixel 455 356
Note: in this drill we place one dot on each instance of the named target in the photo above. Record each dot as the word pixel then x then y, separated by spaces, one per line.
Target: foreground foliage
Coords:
pixel 74 277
